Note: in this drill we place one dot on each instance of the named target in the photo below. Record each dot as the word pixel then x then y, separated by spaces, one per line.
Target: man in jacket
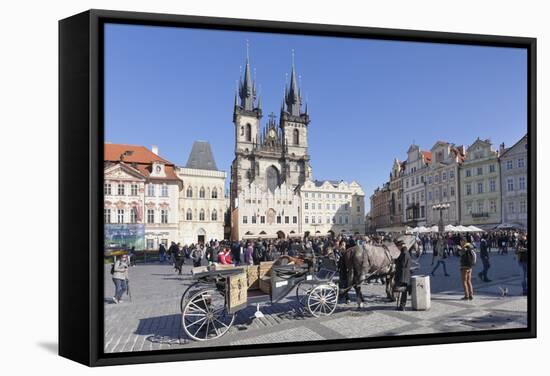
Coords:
pixel 403 275
pixel 484 254
pixel 467 261
pixel 120 277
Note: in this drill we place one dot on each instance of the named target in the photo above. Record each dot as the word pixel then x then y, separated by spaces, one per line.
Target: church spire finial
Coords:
pixel 292 95
pixel 247 89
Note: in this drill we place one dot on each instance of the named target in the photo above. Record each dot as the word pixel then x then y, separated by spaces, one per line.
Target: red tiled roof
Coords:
pixel 141 159
pixel 427 156
pixel 140 154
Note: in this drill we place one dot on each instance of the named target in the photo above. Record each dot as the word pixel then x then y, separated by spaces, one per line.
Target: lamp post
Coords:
pixel 440 208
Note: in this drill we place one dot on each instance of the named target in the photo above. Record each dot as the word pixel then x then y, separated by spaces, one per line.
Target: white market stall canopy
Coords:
pixel 475 229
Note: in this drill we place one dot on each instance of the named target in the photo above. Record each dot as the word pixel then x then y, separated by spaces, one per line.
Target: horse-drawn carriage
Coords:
pixel 210 304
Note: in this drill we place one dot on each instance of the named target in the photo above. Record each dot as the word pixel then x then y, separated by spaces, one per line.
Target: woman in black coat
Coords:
pixel 403 276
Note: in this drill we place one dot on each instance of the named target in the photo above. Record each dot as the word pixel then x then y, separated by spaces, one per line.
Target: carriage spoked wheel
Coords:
pixel 205 315
pixel 322 300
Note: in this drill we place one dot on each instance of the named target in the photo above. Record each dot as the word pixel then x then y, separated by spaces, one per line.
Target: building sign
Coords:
pixel 124 236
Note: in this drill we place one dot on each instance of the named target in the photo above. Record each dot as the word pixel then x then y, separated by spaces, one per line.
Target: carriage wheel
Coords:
pixel 205 315
pixel 302 291
pixel 322 300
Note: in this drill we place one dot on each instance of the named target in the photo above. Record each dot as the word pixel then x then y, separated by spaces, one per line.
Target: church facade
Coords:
pixel 271 165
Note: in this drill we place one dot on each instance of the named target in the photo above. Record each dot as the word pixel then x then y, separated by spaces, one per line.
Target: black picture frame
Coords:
pixel 80 179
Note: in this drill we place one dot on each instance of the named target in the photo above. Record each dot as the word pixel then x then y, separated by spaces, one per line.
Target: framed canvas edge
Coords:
pixel 95 148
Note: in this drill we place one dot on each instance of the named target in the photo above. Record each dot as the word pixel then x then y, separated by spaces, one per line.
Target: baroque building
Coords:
pixel 380 208
pixel 513 174
pixel 141 188
pixel 202 203
pixel 480 187
pixel 443 183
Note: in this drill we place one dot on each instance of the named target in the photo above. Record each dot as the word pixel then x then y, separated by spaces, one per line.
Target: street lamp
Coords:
pixel 440 208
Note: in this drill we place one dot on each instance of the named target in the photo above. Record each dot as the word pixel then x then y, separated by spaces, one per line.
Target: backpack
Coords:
pixel 113 268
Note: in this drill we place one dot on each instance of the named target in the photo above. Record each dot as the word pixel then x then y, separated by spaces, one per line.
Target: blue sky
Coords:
pixel 368 99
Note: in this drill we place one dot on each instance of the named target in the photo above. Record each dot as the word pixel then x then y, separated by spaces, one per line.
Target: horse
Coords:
pixel 360 262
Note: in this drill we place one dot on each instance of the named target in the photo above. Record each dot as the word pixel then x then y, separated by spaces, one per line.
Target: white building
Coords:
pixel 414 187
pixel 513 174
pixel 202 204
pixel 332 207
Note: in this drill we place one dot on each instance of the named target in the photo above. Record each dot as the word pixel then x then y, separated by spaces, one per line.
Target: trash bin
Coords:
pixel 420 292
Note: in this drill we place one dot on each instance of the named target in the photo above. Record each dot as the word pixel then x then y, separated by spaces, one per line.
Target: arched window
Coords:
pixel 296 137
pixel 214 215
pixel 201 215
pixel 272 178
pixel 248 132
pixel 214 193
pixel 201 192
pixel 189 215
pixel 189 191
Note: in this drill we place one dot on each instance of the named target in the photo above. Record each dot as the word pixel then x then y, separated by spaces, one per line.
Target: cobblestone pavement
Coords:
pixel 152 319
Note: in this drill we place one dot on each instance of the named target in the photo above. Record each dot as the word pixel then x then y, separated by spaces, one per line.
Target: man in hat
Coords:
pixel 403 275
pixel 467 262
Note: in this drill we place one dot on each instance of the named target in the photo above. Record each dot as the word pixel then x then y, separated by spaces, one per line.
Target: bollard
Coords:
pixel 420 292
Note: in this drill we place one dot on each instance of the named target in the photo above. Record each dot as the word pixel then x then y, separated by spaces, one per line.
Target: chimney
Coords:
pixel 501 149
pixel 155 149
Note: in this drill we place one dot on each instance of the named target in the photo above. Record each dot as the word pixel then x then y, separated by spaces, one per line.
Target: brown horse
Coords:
pixel 360 262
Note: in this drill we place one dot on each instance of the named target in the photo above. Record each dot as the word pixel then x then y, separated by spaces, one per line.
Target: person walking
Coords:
pixel 403 276
pixel 179 259
pixel 467 261
pixel 120 277
pixel 439 256
pixel 162 253
pixel 196 255
pixel 523 261
pixel 484 254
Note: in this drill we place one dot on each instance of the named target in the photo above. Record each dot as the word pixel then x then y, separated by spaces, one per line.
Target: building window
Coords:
pixel 509 164
pixel 417 180
pixel 521 162
pixel 107 189
pixel 480 170
pixel 151 190
pixel 294 219
pixel 492 185
pixel 306 194
pixel 480 206
pixel 346 207
pixel 134 190
pixel 468 173
pixel 358 209
pixel 201 192
pixel 253 218
pixel 189 215
pixel 150 216
pixel 287 219
pixel 306 219
pixel 452 191
pixel 407 183
pixel 279 219
pixel 328 206
pixel 312 219
pixel 451 174
pixel 306 205
pixel 163 216
pixel 429 195
pixel 312 206
pixel 107 215
pixel 150 243
pixel 521 183
pixel 493 206
pixel 340 219
pixel 444 193
pixel 510 207
pixel 201 215
pixel 444 176
pixel 328 220
pixel 407 199
pixel 492 168
pixel 346 219
pixel 468 189
pixel 296 137
pixel 523 206
pixel 164 190
pixel 469 207
pixel 214 193
pixel 121 189
pixel 120 215
pixel 214 215
pixel 245 219
pixel 189 192
pixel 480 188
pixel 262 219
pixel 133 215
pixel 510 184
pixel 248 132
